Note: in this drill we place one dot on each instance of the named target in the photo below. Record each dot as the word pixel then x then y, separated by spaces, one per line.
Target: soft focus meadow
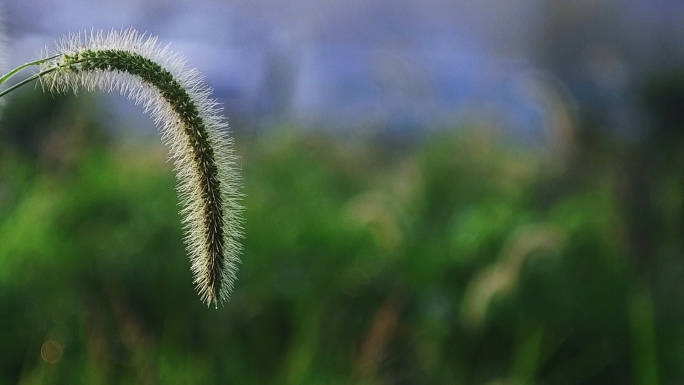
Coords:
pixel 458 258
pixel 451 253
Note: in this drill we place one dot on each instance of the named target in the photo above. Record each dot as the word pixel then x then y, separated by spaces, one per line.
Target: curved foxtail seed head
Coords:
pixel 190 124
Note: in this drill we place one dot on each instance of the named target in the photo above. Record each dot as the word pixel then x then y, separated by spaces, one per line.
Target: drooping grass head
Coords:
pixel 191 126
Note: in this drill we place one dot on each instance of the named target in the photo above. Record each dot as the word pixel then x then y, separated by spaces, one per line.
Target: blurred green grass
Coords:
pixel 462 259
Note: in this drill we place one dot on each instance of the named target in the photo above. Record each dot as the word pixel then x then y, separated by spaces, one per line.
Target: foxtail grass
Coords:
pixel 191 125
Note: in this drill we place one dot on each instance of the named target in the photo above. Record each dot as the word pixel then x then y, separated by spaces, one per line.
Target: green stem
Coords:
pixel 27 80
pixel 21 67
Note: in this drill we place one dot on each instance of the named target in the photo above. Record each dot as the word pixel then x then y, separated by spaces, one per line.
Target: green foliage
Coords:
pixel 455 262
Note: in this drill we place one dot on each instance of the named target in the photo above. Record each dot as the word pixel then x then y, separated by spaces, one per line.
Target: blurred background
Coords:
pixel 437 192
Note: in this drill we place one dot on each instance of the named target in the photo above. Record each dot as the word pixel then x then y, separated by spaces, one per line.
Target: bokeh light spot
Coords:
pixel 51 352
